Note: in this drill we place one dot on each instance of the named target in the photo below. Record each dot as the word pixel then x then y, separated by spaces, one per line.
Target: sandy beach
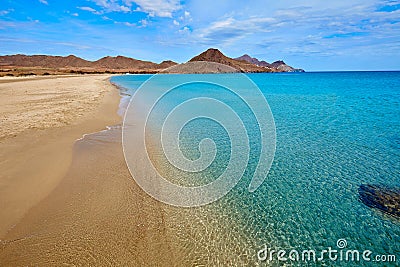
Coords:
pixel 41 118
pixel 68 195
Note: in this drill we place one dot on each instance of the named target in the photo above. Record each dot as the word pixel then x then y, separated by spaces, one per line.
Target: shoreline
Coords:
pixel 36 158
pixel 96 214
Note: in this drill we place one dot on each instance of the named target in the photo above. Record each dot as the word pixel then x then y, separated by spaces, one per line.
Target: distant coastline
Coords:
pixel 27 65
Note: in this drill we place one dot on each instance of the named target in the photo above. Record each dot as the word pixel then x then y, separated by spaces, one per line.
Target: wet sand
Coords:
pixel 96 216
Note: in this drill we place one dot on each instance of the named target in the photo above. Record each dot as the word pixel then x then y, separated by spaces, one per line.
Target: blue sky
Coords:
pixel 311 34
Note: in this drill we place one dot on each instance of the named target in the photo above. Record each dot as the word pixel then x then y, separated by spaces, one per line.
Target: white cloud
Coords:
pixel 143 23
pixel 154 8
pixel 5 12
pixel 124 9
pixel 185 30
pixel 176 23
pixel 140 24
pixel 103 3
pixel 92 10
pixel 43 2
pixel 231 29
pixel 129 24
pixel 157 8
pixel 341 19
pixel 75 14
pixel 112 6
pixel 186 17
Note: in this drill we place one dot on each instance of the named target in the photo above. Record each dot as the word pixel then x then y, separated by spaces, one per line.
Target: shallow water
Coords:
pixel 335 131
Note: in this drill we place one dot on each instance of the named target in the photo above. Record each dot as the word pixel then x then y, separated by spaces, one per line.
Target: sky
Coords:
pixel 316 35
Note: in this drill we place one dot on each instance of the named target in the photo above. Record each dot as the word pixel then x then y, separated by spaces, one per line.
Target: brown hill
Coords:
pixel 121 62
pixel 166 64
pixel 43 61
pixel 279 65
pixel 214 55
pixel 16 65
pixel 197 67
pixel 254 61
pixel 282 66
pixel 41 64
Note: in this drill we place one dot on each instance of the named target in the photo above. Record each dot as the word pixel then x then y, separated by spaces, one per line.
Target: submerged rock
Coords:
pixel 383 198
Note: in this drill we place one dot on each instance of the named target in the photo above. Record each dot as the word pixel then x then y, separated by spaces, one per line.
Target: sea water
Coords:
pixel 334 132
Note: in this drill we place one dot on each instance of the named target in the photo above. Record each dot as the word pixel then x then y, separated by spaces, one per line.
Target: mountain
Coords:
pixel 197 67
pixel 19 65
pixel 43 61
pixel 279 65
pixel 214 55
pixel 244 63
pixel 282 66
pixel 121 62
pixel 253 60
pixel 166 64
pixel 41 64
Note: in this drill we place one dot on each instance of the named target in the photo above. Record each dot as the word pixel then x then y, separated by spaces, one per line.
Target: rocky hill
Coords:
pixel 121 62
pixel 16 65
pixel 214 55
pixel 279 65
pixel 253 60
pixel 282 66
pixel 43 61
pixel 244 63
pixel 198 67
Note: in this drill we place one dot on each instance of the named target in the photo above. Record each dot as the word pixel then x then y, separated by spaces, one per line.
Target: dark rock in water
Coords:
pixel 383 198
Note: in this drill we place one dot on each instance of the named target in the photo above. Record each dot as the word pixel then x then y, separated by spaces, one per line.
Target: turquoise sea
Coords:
pixel 334 132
